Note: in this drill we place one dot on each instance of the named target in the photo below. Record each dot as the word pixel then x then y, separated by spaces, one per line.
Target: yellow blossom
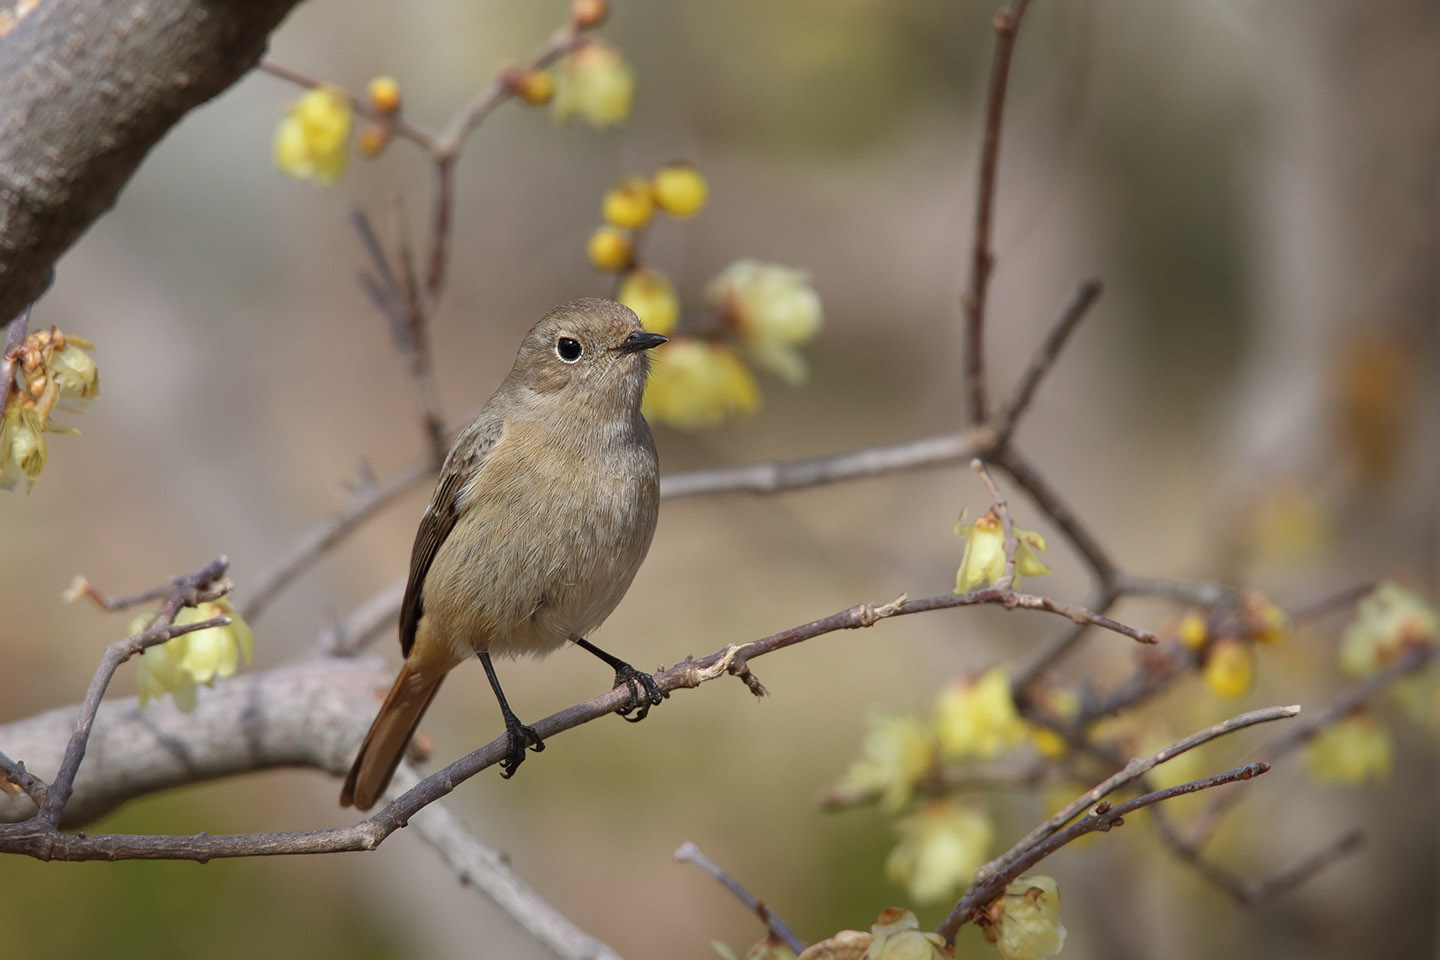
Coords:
pixel 1264 621
pixel 384 93
pixel 1193 630
pixel 896 936
pixel 594 83
pixel 651 295
pixel 310 142
pixel 1351 750
pixel 1024 921
pixel 1390 621
pixel 941 847
pixel 774 308
pixel 610 249
pixel 896 754
pixel 984 558
pixel 628 204
pixel 697 384
pixel 1229 669
pixel 181 663
pixel 978 718
pixel 75 374
pixel 22 446
pixel 535 87
pixel 679 189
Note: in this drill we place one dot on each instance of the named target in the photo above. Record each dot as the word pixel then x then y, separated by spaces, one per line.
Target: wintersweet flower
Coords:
pixel 896 935
pixel 1229 669
pixel 1351 750
pixel 984 558
pixel 896 754
pixel 181 663
pixel 679 189
pixel 311 140
pixel 1024 921
pixel 650 294
pixel 697 384
pixel 75 374
pixel 610 248
pixel 22 446
pixel 940 848
pixel 978 718
pixel 774 308
pixel 1388 622
pixel 384 93
pixel 593 83
pixel 628 204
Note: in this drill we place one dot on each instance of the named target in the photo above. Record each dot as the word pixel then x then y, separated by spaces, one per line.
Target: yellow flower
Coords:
pixel 1193 630
pixel 697 384
pixel 896 754
pixel 984 558
pixel 896 936
pixel 1351 750
pixel 310 142
pixel 940 848
pixel 978 719
pixel 179 664
pixel 679 189
pixel 1390 621
pixel 1024 921
pixel 774 308
pixel 75 373
pixel 629 204
pixel 650 294
pixel 384 93
pixel 1229 669
pixel 1264 621
pixel 594 83
pixel 22 446
pixel 535 87
pixel 610 249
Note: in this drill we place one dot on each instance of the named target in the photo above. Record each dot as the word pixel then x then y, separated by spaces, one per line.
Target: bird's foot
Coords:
pixel 519 736
pixel 637 681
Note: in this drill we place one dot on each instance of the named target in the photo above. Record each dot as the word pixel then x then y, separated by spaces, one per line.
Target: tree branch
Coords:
pixel 87 87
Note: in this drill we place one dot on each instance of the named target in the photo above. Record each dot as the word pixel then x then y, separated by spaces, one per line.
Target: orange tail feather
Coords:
pixel 384 745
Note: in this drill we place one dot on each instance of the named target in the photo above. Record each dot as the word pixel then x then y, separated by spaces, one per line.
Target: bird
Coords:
pixel 542 514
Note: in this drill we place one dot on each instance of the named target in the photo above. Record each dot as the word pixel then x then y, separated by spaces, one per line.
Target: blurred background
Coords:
pixel 1254 400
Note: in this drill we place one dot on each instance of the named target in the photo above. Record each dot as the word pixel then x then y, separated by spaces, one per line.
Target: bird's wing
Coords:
pixel 439 519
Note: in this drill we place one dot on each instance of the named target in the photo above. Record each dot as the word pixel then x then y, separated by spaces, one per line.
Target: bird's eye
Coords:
pixel 567 349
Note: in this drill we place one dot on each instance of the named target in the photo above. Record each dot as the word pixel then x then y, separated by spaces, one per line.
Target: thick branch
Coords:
pixel 87 87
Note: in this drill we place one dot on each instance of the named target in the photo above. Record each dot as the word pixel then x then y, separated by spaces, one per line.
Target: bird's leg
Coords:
pixel 520 735
pixel 632 678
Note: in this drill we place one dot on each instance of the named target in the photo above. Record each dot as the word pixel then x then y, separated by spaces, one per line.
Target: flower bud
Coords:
pixel 650 294
pixel 588 14
pixel 629 204
pixel 610 249
pixel 679 189
pixel 384 93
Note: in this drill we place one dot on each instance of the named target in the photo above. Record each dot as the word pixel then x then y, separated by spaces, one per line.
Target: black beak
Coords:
pixel 640 340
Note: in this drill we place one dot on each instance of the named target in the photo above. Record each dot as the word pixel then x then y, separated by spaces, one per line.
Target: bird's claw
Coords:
pixel 519 736
pixel 639 704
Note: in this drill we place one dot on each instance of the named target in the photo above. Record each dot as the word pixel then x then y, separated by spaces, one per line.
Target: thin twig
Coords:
pixel 322 537
pixel 1131 772
pixel 779 932
pixel 1047 499
pixel 396 123
pixel 982 259
pixel 1288 880
pixel 13 771
pixel 1103 818
pixel 1044 358
pixel 182 593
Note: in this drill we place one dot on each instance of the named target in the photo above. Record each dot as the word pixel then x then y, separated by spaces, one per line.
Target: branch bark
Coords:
pixel 87 87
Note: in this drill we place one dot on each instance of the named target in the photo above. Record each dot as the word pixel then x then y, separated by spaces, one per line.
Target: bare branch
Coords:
pixel 63 70
pixel 1048 501
pixel 183 591
pixel 15 774
pixel 982 258
pixel 779 932
pixel 1044 358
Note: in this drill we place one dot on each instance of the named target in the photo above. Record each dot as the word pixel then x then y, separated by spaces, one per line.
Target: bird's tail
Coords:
pixel 384 745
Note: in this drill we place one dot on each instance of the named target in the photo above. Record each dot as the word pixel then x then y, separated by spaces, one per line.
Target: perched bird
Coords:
pixel 543 512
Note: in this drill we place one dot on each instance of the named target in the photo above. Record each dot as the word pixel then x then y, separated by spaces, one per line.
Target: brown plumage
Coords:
pixel 543 512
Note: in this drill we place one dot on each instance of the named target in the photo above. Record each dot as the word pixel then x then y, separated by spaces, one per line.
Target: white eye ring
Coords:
pixel 568 349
